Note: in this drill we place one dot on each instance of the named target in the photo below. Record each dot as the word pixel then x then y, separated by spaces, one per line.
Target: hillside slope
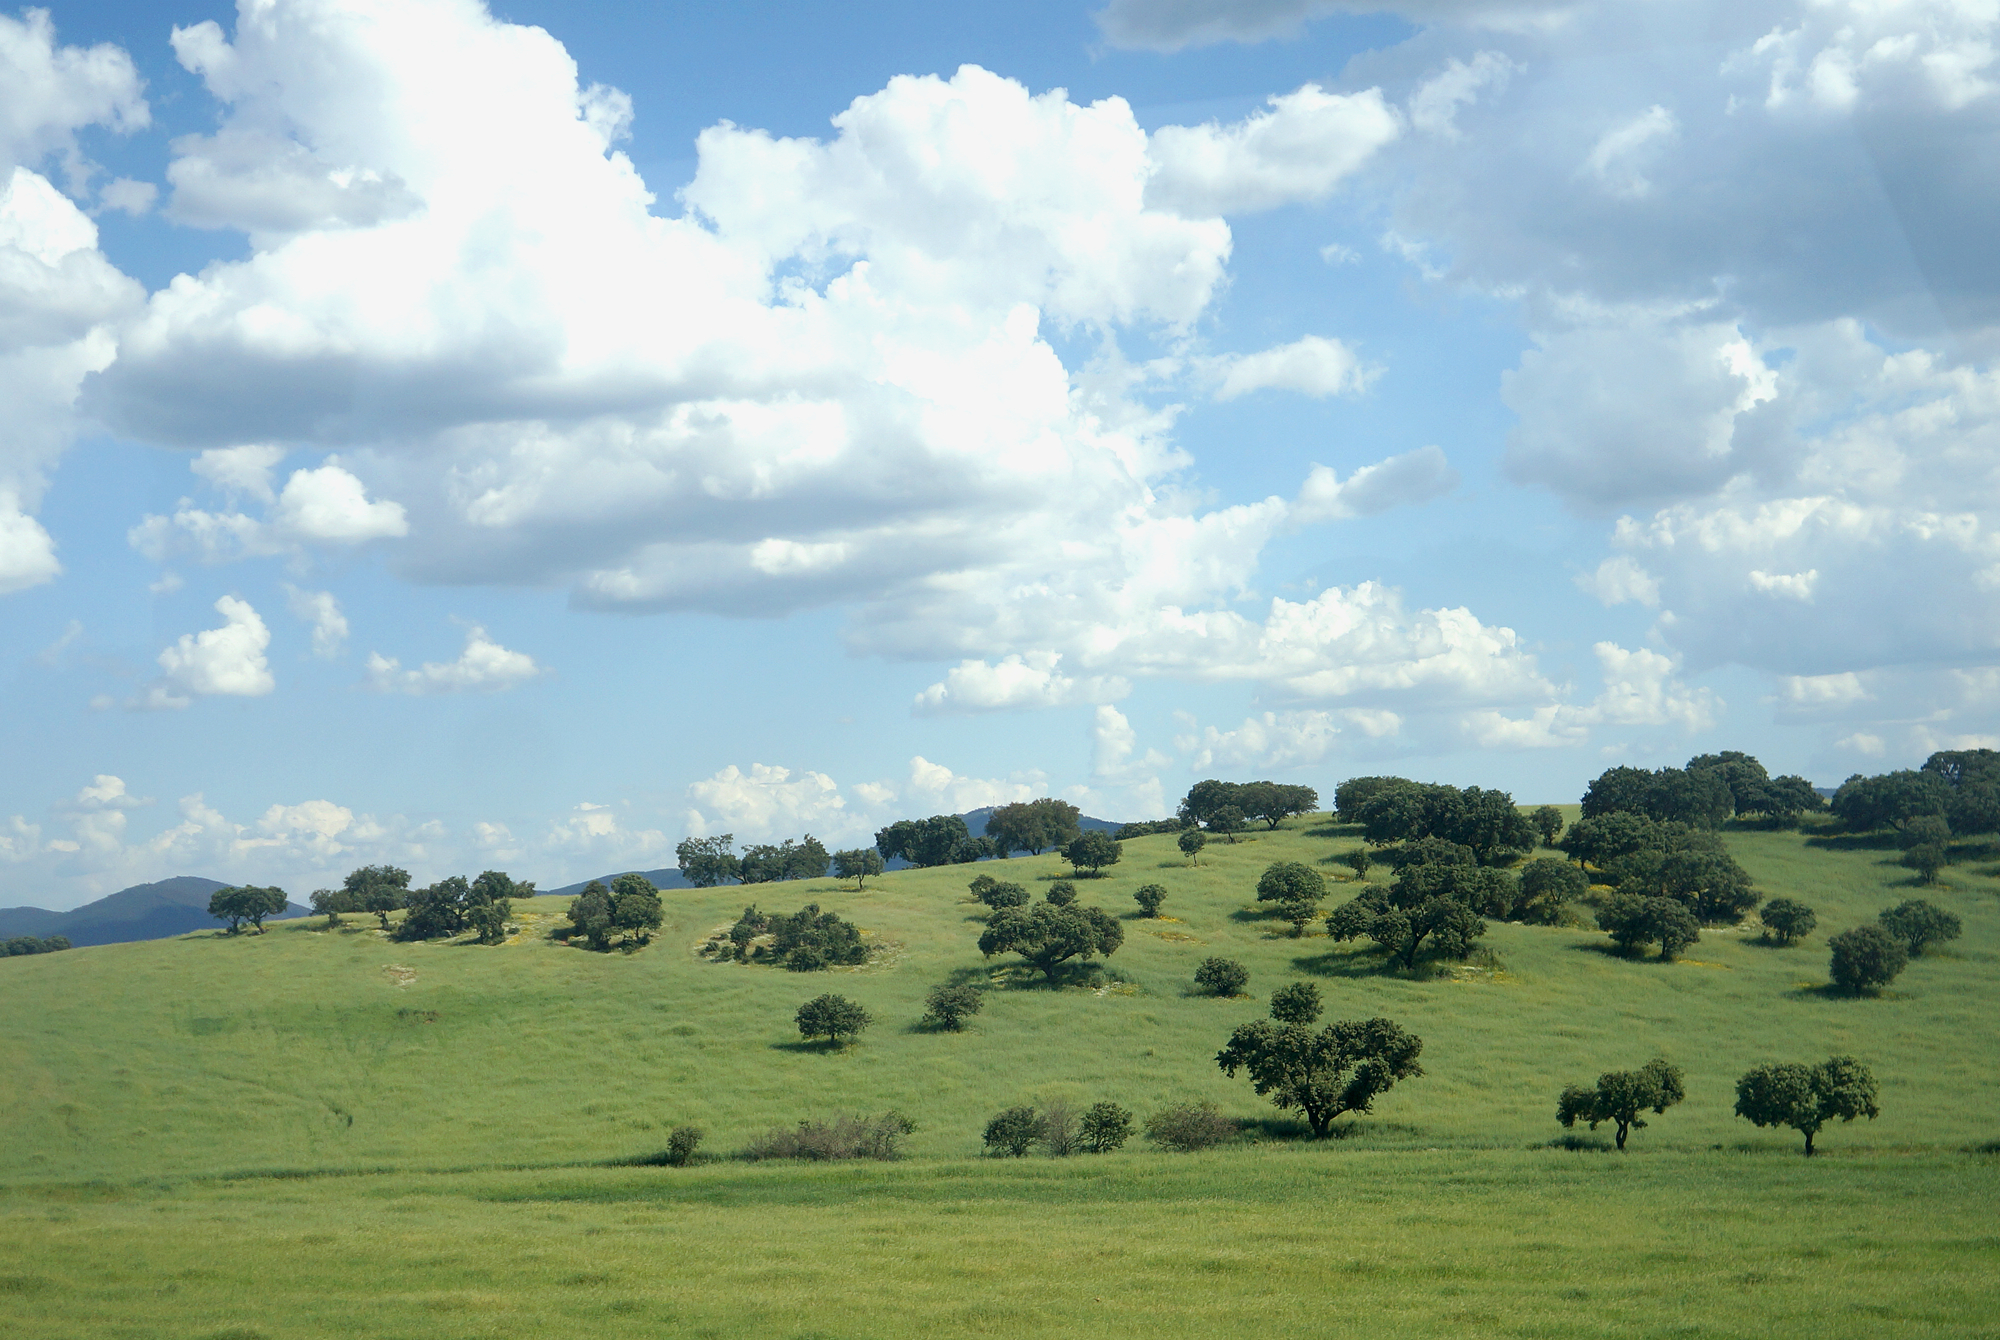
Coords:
pixel 143 912
pixel 304 1048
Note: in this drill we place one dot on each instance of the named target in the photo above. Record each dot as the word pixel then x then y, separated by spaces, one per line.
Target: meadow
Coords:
pixel 313 1131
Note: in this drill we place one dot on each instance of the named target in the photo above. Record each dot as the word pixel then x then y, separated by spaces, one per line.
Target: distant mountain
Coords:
pixel 672 878
pixel 142 912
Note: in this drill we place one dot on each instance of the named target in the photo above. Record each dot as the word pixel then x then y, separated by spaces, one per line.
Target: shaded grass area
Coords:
pixel 1290 1241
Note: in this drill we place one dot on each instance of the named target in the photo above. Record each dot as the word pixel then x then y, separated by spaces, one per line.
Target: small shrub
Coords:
pixel 835 1018
pixel 682 1144
pixel 1149 897
pixel 1009 1133
pixel 1919 924
pixel 1191 842
pixel 855 1137
pixel 1062 893
pixel 1926 858
pixel 998 893
pixel 1105 1127
pixel 1221 976
pixel 1186 1127
pixel 1297 1003
pixel 1060 1137
pixel 948 1007
pixel 1786 921
pixel 1358 861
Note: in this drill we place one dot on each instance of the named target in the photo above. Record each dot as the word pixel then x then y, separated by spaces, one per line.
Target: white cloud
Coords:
pixel 1026 681
pixel 128 197
pixel 1619 159
pixel 1824 691
pixel 1640 688
pixel 1271 741
pixel 329 504
pixel 1434 106
pixel 52 91
pixel 1400 481
pixel 240 470
pixel 27 553
pixel 769 803
pixel 1300 149
pixel 484 666
pixel 1786 585
pixel 1313 366
pixel 322 611
pixel 938 789
pixel 226 661
pixel 1619 579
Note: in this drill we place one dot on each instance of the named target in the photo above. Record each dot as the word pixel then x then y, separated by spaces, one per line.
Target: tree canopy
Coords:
pixel 1866 959
pixel 1919 924
pixel 1048 936
pixel 248 902
pixel 1033 825
pixel 1323 1073
pixel 1394 809
pixel 835 1018
pixel 1093 851
pixel 1271 802
pixel 942 839
pixel 709 861
pixel 1806 1097
pixel 1621 1095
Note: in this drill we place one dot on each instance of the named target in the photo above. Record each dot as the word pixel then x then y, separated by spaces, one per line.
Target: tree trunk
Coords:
pixel 1809 1140
pixel 1622 1128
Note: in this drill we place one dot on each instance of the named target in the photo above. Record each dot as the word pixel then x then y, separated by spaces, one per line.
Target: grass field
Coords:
pixel 475 1086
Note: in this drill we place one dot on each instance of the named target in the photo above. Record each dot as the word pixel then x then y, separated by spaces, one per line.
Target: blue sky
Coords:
pixel 522 436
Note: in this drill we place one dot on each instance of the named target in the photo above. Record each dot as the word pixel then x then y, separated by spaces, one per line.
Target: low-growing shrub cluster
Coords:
pixel 846 1137
pixel 1059 1129
pixel 806 941
pixel 31 944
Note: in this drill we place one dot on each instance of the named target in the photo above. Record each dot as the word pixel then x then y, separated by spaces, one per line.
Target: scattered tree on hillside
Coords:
pixel 1296 888
pixel 435 911
pixel 492 901
pixel 32 944
pixel 1548 821
pixel 1295 1003
pixel 1221 976
pixel 1061 893
pixel 1228 821
pixel 1395 810
pixel 631 905
pixel 1866 959
pixel 1786 920
pixel 1606 839
pixel 1634 922
pixel 1621 1095
pixel 1033 826
pixel 857 864
pixel 1010 1133
pixel 1891 800
pixel 590 916
pixel 1105 1127
pixel 1150 897
pixel 1048 936
pixel 1430 906
pixel 1927 859
pixel 249 903
pixel 375 888
pixel 1806 1097
pixel 1341 1068
pixel 1272 802
pixel 1358 861
pixel 1698 796
pixel 1191 842
pixel 329 903
pixel 1691 866
pixel 1974 778
pixel 997 893
pixel 709 861
pixel 767 863
pixel 1919 924
pixel 1093 851
pixel 942 839
pixel 947 1007
pixel 1187 1127
pixel 835 1018
pixel 809 940
pixel 1547 887
pixel 681 1146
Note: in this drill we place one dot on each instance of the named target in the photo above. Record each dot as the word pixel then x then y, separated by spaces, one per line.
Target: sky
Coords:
pixel 522 436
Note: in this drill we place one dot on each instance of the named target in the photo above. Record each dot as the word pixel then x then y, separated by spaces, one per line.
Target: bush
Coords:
pixel 1926 858
pixel 1787 920
pixel 948 1007
pixel 1548 886
pixel 1221 976
pixel 855 1137
pixel 1358 861
pixel 1919 924
pixel 835 1018
pixel 1061 893
pixel 1297 1003
pixel 1149 897
pixel 817 939
pixel 1106 1126
pixel 682 1144
pixel 1009 1133
pixel 1866 959
pixel 1191 842
pixel 1093 851
pixel 1060 1137
pixel 1186 1127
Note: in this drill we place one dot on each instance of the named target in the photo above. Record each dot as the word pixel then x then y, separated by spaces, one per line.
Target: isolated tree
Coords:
pixel 997 893
pixel 835 1018
pixel 1191 842
pixel 1062 893
pixel 1358 861
pixel 682 1144
pixel 1919 924
pixel 1341 1068
pixel 1634 922
pixel 709 861
pixel 1149 897
pixel 1926 858
pixel 1048 936
pixel 331 903
pixel 1296 889
pixel 635 906
pixel 1104 1128
pixel 1806 1097
pixel 1093 851
pixel 857 864
pixel 942 839
pixel 1866 959
pixel 1547 887
pixel 249 902
pixel 1621 1095
pixel 1032 826
pixel 1274 802
pixel 1786 920
pixel 948 1006
pixel 591 915
pixel 1548 821
pixel 1295 1003
pixel 229 904
pixel 1221 976
pixel 1010 1133
pixel 1446 924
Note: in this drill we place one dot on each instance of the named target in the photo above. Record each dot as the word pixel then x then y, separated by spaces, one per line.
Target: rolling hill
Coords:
pixel 143 912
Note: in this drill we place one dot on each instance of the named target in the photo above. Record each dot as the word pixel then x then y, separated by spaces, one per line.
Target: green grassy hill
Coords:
pixel 308 1049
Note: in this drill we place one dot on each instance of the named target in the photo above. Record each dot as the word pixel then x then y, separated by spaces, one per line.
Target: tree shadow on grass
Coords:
pixel 1854 842
pixel 1334 829
pixel 1578 1143
pixel 1829 991
pixel 1355 963
pixel 815 1048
